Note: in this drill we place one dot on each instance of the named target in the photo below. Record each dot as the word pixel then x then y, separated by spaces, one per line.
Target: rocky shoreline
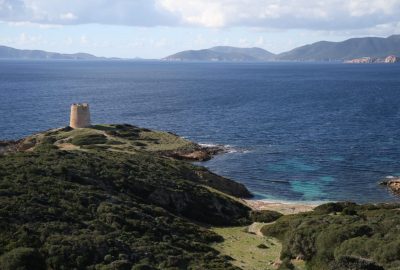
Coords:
pixel 199 153
pixel 393 183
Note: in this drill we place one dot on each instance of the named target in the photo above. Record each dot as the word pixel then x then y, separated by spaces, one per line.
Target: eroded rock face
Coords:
pixel 372 60
pixel 8 147
pixel 391 59
pixel 223 184
pixel 393 183
pixel 362 60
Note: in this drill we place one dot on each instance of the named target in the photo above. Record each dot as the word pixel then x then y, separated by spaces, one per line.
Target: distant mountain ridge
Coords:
pixel 12 53
pixel 223 53
pixel 374 47
pixel 345 50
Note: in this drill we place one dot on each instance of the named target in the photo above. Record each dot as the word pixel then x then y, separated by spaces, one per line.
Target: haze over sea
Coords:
pixel 297 132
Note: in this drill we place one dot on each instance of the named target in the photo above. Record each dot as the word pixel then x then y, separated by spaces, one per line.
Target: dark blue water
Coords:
pixel 300 131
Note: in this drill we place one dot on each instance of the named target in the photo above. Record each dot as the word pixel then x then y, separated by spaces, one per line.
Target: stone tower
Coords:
pixel 80 115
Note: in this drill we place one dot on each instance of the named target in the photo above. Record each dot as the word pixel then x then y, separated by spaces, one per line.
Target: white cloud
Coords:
pixel 69 41
pixel 122 12
pixel 260 42
pixel 204 13
pixel 311 14
pixel 68 16
pixel 84 40
pixel 24 39
pixel 271 14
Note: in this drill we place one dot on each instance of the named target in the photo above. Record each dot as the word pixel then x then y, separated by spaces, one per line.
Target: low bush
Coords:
pixel 348 262
pixel 89 139
pixel 22 258
pixel 265 216
pixel 341 236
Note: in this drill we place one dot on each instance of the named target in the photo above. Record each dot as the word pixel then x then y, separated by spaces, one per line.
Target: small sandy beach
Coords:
pixel 285 208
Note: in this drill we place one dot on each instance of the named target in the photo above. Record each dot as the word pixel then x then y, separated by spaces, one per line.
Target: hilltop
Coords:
pixel 223 53
pixel 372 47
pixel 12 53
pixel 110 197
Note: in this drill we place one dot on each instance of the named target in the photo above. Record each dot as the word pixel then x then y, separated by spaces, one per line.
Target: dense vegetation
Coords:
pixel 89 139
pixel 96 209
pixel 265 216
pixel 341 236
pixel 110 197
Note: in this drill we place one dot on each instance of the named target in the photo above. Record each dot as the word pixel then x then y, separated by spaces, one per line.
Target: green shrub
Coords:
pixel 142 266
pixel 337 241
pixel 262 246
pixel 96 147
pixel 114 142
pixel 89 139
pixel 45 147
pixel 354 263
pixel 22 259
pixel 286 264
pixel 139 144
pixel 333 207
pixel 266 216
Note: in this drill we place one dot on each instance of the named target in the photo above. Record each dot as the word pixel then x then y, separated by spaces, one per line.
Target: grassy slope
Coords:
pixel 96 209
pixel 242 246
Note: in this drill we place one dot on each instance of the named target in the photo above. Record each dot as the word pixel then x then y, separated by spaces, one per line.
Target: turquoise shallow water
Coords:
pixel 297 132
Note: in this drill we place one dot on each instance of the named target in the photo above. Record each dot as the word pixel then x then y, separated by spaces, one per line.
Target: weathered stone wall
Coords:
pixel 80 115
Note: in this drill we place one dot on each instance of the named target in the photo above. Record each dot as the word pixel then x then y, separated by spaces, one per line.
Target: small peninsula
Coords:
pixel 122 197
pixel 116 197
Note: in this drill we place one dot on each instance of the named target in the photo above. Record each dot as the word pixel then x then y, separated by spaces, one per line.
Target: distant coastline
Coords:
pixel 376 49
pixel 354 50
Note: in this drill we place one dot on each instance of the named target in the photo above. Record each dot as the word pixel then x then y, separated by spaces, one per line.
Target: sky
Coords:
pixel 157 28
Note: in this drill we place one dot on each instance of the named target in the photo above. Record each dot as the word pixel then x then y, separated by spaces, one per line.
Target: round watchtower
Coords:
pixel 80 115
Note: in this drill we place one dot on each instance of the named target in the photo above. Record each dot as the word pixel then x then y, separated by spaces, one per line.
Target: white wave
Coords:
pixel 229 149
pixel 211 145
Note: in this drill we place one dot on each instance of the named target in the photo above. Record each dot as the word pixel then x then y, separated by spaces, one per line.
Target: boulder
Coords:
pixel 392 182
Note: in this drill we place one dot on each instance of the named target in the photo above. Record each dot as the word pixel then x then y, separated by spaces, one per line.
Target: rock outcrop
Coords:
pixel 374 60
pixel 199 153
pixel 392 182
pixel 362 60
pixel 392 59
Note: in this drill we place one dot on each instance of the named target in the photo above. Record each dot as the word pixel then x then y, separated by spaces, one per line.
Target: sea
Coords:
pixel 309 132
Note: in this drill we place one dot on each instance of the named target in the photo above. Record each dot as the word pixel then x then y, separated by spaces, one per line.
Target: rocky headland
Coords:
pixel 112 197
pixel 120 197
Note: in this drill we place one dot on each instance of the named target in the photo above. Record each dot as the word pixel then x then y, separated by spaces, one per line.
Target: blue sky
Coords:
pixel 157 28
